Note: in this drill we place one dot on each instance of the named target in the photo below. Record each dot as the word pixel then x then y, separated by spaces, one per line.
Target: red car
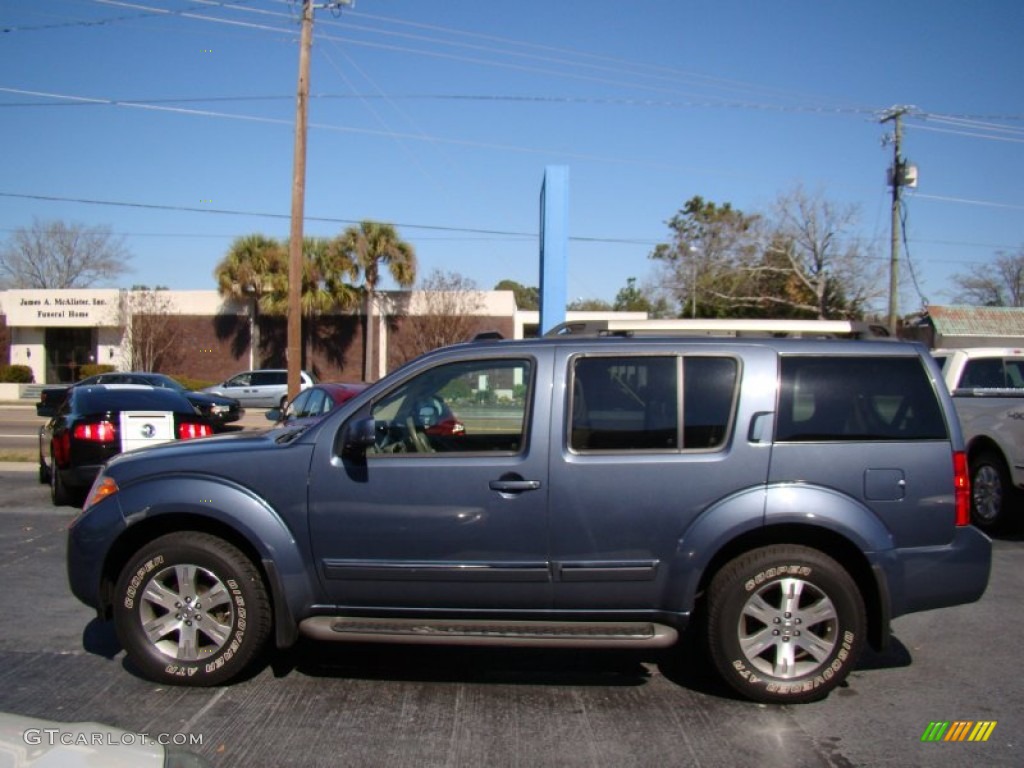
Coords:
pixel 431 416
pixel 312 403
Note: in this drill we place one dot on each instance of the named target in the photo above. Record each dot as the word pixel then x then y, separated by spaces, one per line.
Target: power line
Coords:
pixel 321 219
pixel 110 19
pixel 966 201
pixel 486 235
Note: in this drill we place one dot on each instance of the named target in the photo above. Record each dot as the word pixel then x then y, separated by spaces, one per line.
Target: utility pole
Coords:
pixel 897 179
pixel 294 348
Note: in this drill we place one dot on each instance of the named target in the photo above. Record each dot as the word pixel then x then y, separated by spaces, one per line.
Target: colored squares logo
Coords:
pixel 958 730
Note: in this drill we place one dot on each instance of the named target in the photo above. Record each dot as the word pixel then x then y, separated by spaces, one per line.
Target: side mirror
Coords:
pixel 359 435
pixel 274 414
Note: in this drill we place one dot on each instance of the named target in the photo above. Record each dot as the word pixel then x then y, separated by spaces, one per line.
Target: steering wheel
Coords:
pixel 416 440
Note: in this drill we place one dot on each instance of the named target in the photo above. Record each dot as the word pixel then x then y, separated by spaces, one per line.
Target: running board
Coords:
pixel 544 634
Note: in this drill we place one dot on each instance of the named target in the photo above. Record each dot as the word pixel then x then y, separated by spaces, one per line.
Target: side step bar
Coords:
pixel 544 634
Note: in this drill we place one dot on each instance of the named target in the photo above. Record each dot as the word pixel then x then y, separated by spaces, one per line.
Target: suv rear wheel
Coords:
pixel 191 609
pixel 785 624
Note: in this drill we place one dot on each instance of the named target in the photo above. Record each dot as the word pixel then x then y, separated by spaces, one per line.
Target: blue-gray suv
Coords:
pixel 786 498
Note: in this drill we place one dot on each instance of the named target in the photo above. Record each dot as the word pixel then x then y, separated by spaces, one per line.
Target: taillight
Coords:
pixel 962 488
pixel 61 449
pixel 100 432
pixel 189 429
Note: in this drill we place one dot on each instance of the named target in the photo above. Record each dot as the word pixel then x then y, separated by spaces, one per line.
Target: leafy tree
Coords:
pixel 527 296
pixel 998 284
pixel 589 305
pixel 58 254
pixel 630 298
pixel 709 244
pixel 373 246
pixel 251 271
pixel 799 261
pixel 256 269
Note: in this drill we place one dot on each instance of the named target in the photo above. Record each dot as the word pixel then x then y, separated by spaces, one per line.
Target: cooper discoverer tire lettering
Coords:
pixel 191 609
pixel 785 624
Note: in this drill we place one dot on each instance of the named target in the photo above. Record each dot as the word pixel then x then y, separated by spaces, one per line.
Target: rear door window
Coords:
pixel 837 398
pixel 651 403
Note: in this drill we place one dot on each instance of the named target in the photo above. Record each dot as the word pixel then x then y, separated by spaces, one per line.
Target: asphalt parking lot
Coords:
pixel 327 705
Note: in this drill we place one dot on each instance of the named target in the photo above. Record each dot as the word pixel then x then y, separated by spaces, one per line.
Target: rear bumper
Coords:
pixel 80 477
pixel 924 578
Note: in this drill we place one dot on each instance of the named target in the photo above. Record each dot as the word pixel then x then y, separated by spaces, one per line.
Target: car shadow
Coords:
pixel 100 639
pixel 687 664
pixel 461 664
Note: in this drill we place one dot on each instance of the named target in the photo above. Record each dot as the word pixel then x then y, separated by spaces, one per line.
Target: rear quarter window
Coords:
pixel 857 398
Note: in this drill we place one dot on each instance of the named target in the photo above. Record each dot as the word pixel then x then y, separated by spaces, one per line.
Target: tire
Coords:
pixel 191 609
pixel 59 494
pixel 991 492
pixel 786 624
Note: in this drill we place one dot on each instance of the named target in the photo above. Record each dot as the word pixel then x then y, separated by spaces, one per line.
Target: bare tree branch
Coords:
pixel 57 254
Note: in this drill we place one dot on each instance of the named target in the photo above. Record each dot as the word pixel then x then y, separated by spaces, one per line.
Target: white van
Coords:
pixel 267 387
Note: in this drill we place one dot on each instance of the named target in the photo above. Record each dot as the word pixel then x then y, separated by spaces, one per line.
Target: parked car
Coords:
pixel 312 403
pixel 787 498
pixel 987 384
pixel 267 387
pixel 217 409
pixel 96 422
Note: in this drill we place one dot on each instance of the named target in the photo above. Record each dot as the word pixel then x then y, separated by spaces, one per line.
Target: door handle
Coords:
pixel 514 486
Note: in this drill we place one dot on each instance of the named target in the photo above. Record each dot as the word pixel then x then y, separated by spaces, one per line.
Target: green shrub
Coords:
pixel 91 369
pixel 193 384
pixel 456 390
pixel 16 374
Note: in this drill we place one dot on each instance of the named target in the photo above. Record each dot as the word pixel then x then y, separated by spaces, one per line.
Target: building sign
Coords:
pixel 62 308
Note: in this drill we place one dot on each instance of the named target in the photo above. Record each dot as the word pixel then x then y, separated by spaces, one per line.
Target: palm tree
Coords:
pixel 372 246
pixel 247 273
pixel 324 271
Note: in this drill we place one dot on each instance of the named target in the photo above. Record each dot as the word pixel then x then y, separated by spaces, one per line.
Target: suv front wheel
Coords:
pixel 785 624
pixel 191 609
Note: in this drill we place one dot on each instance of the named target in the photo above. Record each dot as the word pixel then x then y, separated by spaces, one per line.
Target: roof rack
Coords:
pixel 848 329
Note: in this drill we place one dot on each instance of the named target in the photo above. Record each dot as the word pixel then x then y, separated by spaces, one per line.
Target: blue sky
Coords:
pixel 441 117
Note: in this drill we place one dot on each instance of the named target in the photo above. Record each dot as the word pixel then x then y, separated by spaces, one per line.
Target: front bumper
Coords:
pixel 90 537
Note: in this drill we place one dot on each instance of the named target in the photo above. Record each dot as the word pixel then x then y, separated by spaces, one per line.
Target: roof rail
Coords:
pixel 850 329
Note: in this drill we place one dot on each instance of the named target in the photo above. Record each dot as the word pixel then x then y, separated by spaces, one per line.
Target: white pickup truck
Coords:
pixel 987 384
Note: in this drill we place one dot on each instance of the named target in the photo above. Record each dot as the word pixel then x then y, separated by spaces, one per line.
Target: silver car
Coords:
pixel 266 387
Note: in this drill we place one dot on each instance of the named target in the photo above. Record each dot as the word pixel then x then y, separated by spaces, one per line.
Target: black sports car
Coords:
pixel 96 422
pixel 216 409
